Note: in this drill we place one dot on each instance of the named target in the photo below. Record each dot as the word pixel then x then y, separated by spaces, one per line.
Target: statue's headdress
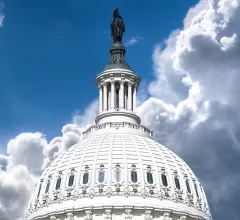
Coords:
pixel 116 13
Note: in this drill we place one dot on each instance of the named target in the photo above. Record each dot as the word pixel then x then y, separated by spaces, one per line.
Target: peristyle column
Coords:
pixel 129 107
pixel 134 98
pixel 121 95
pixel 113 95
pixel 105 101
pixel 100 99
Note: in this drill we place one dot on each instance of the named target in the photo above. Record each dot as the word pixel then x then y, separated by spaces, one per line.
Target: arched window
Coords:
pixel 85 178
pixel 188 186
pixel 134 176
pixel 196 190
pixel 101 176
pixel 177 183
pixel 149 178
pixel 118 176
pixel 164 180
pixel 47 187
pixel 58 184
pixel 71 180
pixel 39 190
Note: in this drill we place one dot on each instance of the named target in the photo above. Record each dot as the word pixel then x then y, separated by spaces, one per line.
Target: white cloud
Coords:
pixel 22 168
pixel 3 161
pixel 87 117
pixel 2 16
pixel 132 41
pixel 195 109
pixel 26 149
pixel 28 155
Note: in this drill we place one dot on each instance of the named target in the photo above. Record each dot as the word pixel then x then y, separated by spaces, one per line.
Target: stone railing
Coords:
pixel 117 125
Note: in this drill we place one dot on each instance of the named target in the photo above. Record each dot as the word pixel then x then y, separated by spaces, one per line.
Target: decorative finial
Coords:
pixel 117 27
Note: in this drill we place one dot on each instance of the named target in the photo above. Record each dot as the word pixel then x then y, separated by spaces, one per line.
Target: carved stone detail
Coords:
pixel 108 214
pixel 148 215
pixel 88 215
pixel 70 216
pixel 128 214
pixel 166 216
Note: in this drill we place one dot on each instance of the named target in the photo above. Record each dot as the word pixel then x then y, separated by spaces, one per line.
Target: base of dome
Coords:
pixel 118 207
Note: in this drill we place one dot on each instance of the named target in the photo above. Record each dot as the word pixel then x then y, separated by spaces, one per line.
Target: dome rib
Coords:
pixel 109 169
pixel 126 180
pixel 79 172
pixel 167 166
pixel 69 167
pixel 140 162
pixel 179 173
pixel 94 166
pixel 157 177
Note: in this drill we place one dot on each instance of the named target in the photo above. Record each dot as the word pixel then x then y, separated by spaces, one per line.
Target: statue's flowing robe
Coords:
pixel 117 28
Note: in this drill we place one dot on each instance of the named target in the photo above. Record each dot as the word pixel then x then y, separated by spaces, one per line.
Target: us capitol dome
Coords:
pixel 118 171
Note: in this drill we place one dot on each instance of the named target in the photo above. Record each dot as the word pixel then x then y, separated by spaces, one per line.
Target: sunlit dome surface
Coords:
pixel 119 170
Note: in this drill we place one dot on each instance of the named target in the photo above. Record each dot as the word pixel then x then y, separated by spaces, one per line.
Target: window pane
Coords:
pixel 164 180
pixel 149 178
pixel 71 180
pixel 177 183
pixel 39 190
pixel 58 184
pixel 196 190
pixel 134 176
pixel 101 177
pixel 188 186
pixel 47 187
pixel 85 178
pixel 118 176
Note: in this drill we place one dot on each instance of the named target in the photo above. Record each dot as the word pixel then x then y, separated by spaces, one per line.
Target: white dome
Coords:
pixel 107 153
pixel 118 171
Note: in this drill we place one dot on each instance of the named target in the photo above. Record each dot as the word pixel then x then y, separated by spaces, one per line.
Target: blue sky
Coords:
pixel 50 52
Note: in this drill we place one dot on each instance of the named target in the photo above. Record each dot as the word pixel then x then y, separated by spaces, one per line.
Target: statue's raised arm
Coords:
pixel 117 26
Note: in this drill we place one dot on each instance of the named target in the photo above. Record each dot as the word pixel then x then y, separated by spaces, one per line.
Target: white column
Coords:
pixel 129 107
pixel 113 92
pixel 109 97
pixel 125 98
pixel 121 95
pixel 105 101
pixel 134 98
pixel 100 99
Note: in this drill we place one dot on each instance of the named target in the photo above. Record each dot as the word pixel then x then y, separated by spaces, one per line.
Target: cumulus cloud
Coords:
pixel 20 172
pixel 26 149
pixel 194 109
pixel 132 41
pixel 86 118
pixel 28 155
pixel 3 161
pixel 2 16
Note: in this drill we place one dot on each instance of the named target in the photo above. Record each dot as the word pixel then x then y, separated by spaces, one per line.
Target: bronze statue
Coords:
pixel 117 27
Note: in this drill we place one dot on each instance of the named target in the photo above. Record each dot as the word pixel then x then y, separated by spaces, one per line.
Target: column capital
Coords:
pixel 100 87
pixel 130 84
pixel 122 81
pixel 104 84
pixel 135 87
